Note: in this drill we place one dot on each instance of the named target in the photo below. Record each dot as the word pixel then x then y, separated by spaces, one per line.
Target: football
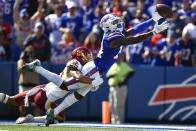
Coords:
pixel 164 10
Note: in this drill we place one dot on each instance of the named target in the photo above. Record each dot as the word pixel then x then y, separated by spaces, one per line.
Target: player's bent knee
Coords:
pixel 78 96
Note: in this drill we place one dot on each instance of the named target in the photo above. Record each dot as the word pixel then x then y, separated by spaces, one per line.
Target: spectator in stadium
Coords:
pixel 116 7
pixel 47 26
pixel 185 11
pixel 117 75
pixel 140 8
pixel 93 40
pixel 139 53
pixel 52 3
pixel 61 53
pixel 176 23
pixel 167 51
pixel 87 14
pixel 188 49
pixel 23 24
pixel 27 80
pixel 99 12
pixel 191 27
pixel 8 28
pixel 53 21
pixel 6 7
pixel 72 20
pixel 5 51
pixel 40 43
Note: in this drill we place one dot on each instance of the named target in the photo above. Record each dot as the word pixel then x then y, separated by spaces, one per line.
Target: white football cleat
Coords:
pixel 27 119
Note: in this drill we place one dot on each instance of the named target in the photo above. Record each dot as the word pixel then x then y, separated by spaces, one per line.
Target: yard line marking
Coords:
pixel 140 126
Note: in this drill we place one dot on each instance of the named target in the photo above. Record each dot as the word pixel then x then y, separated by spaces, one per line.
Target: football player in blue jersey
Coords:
pixel 116 36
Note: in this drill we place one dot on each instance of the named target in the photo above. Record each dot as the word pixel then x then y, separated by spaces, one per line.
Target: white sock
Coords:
pixel 4 98
pixel 56 79
pixel 67 102
pixel 40 119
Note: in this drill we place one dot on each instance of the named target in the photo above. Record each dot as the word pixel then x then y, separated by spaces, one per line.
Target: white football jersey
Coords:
pixel 90 70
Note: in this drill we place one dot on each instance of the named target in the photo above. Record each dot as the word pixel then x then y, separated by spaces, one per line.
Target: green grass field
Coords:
pixel 63 128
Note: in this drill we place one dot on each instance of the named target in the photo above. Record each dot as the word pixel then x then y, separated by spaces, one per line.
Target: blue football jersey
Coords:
pixel 73 22
pixel 169 58
pixel 136 52
pixel 107 56
pixel 7 8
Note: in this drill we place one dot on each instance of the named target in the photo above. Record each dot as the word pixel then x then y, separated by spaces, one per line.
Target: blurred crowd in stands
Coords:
pixel 55 27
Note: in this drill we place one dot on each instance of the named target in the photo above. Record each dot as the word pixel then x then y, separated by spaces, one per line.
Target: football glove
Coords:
pixel 159 28
pixel 155 15
pixel 97 81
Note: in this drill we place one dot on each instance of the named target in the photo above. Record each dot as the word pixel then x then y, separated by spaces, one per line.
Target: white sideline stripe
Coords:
pixel 168 127
pixel 127 125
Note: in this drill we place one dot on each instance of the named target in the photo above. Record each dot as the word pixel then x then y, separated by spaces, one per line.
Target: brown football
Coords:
pixel 164 10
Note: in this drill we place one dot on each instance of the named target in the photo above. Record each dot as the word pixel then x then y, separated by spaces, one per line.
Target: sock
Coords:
pixel 56 79
pixel 40 119
pixel 3 98
pixel 67 102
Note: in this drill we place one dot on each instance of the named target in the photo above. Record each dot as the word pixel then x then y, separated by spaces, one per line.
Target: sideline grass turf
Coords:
pixel 63 128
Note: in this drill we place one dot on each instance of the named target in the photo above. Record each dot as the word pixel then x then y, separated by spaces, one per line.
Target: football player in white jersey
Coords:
pixel 71 78
pixel 44 96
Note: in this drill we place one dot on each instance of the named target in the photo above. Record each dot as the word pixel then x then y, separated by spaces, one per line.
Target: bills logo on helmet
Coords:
pixel 178 100
pixel 105 18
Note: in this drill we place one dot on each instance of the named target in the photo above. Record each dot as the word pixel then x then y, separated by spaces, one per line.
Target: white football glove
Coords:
pixel 159 28
pixel 97 81
pixel 155 15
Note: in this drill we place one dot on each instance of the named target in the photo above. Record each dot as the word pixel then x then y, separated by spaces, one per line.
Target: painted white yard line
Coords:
pixel 127 125
pixel 140 126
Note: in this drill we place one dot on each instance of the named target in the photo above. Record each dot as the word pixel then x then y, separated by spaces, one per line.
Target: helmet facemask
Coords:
pixel 87 58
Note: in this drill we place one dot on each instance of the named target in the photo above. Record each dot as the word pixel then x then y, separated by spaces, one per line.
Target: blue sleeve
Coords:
pixel 160 45
pixel 142 27
pixel 62 22
pixel 114 35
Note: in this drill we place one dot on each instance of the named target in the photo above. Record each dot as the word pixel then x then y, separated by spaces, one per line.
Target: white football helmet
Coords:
pixel 111 22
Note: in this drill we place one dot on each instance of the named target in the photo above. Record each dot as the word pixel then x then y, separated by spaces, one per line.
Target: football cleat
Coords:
pixel 50 119
pixel 31 66
pixel 28 119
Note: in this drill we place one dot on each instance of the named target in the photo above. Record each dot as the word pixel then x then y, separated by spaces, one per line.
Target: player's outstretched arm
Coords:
pixel 145 25
pixel 140 27
pixel 79 76
pixel 139 38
